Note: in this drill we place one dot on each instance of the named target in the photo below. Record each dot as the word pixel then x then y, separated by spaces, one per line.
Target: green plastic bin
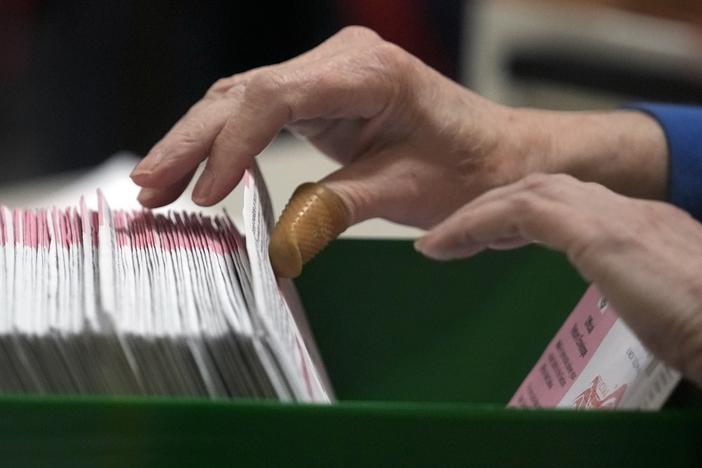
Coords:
pixel 423 357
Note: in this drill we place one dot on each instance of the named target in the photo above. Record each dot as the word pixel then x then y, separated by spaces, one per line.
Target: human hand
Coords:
pixel 645 256
pixel 415 146
pixel 414 143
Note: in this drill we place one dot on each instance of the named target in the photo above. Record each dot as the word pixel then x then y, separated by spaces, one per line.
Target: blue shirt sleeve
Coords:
pixel 683 129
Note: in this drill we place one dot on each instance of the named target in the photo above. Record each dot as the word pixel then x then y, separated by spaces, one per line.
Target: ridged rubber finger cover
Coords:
pixel 313 218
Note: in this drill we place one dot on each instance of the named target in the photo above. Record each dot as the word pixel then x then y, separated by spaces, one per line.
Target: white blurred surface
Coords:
pixel 286 163
pixel 498 30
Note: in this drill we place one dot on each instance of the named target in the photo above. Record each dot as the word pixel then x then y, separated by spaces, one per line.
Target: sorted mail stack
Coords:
pixel 144 303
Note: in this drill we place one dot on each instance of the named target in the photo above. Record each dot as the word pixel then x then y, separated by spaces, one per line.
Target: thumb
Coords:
pixel 314 216
pixel 318 212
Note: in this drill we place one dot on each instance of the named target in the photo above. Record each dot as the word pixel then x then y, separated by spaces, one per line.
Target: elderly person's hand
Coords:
pixel 645 256
pixel 415 146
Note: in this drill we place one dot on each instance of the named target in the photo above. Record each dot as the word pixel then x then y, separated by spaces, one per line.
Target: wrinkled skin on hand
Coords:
pixel 415 146
pixel 645 256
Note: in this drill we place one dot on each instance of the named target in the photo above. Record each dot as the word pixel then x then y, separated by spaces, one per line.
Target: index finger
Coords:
pixel 349 86
pixel 189 142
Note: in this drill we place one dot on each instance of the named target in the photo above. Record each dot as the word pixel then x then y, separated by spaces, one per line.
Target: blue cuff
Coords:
pixel 683 129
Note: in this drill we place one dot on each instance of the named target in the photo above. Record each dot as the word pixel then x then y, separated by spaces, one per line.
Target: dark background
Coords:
pixel 80 80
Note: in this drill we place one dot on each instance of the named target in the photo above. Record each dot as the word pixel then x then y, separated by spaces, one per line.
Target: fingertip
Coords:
pixel 202 193
pixel 213 186
pixel 509 243
pixel 419 244
pixel 427 244
pixel 203 202
pixel 148 198
pixel 155 198
pixel 141 177
pixel 442 249
pixel 144 170
pixel 425 247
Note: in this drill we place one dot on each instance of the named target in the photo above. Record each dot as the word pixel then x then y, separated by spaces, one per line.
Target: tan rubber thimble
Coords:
pixel 313 218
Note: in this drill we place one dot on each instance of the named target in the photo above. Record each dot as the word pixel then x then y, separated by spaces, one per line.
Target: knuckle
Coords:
pixel 358 199
pixel 552 185
pixel 184 139
pixel 236 90
pixel 221 86
pixel 526 203
pixel 266 81
pixel 537 181
pixel 188 134
pixel 594 186
pixel 391 55
pixel 598 190
pixel 464 234
pixel 358 32
pixel 224 143
pixel 564 179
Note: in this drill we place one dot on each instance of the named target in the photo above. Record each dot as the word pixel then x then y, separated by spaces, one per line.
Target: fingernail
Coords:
pixel 140 176
pixel 423 246
pixel 437 254
pixel 147 165
pixel 203 188
pixel 444 253
pixel 146 195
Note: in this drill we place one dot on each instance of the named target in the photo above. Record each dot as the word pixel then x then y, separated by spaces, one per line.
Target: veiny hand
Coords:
pixel 645 256
pixel 415 146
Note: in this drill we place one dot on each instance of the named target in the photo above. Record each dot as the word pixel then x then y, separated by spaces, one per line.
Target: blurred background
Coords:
pixel 80 80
